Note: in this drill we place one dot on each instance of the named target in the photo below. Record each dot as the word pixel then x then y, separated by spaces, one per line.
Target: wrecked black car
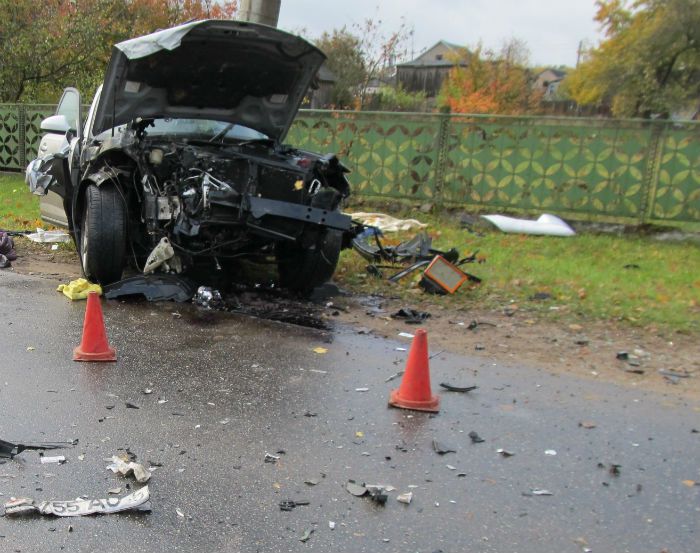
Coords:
pixel 180 160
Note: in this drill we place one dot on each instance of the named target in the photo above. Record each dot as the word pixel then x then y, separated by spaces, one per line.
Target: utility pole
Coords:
pixel 579 52
pixel 266 12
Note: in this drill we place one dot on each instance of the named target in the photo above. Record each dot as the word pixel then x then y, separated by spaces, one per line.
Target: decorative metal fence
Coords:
pixel 597 169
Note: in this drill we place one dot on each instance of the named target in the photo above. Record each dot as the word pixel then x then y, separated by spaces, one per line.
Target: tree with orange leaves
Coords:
pixel 484 82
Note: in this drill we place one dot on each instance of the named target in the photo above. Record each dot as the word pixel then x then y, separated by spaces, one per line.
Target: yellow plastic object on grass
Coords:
pixel 78 289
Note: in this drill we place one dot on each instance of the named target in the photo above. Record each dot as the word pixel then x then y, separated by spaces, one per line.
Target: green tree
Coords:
pixel 649 63
pixel 46 46
pixel 346 62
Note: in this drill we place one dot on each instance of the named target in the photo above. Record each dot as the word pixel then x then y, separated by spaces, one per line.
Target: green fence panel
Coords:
pixel 389 157
pixel 676 193
pixel 33 116
pixel 11 143
pixel 591 168
pixel 546 165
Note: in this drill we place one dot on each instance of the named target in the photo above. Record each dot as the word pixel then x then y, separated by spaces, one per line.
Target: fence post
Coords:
pixel 441 158
pixel 22 135
pixel 651 172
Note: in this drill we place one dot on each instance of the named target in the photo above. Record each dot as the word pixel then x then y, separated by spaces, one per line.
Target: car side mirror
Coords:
pixel 56 124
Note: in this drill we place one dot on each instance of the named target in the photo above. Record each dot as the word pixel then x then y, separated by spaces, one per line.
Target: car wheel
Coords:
pixel 103 234
pixel 304 268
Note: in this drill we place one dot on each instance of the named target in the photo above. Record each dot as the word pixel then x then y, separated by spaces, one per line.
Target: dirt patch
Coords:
pixel 585 349
pixel 39 259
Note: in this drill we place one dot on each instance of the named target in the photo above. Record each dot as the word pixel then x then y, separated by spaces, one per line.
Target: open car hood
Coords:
pixel 229 71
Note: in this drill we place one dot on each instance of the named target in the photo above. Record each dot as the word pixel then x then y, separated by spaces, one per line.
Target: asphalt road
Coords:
pixel 238 388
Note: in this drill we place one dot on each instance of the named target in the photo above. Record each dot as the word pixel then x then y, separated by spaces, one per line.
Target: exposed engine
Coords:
pixel 238 200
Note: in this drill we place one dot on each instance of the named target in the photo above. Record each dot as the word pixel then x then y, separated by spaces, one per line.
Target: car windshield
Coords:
pixel 204 128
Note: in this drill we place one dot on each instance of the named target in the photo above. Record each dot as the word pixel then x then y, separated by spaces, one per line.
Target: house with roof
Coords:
pixel 427 72
pixel 547 81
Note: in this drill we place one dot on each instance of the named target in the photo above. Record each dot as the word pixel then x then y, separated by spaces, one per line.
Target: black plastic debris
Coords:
pixel 411 316
pixel 8 450
pixel 155 287
pixel 540 296
pixel 452 388
pixel 130 405
pixel 7 250
pixel 442 449
pixel 475 438
pixel 614 469
pixel 622 356
pixel 291 504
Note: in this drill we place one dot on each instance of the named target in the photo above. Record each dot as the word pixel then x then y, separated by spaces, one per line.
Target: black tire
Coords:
pixel 302 269
pixel 103 234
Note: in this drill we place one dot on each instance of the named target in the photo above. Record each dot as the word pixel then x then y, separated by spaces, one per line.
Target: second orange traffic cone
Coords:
pixel 414 392
pixel 94 345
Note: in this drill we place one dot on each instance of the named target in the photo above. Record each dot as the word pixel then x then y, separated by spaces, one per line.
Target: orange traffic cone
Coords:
pixel 94 345
pixel 414 392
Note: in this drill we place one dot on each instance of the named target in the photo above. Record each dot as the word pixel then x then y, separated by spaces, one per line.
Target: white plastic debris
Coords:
pixel 331 525
pixel 167 39
pixel 387 223
pixel 546 224
pixel 49 236
pixel 550 452
pixel 57 459
pixel 139 501
pixel 405 497
pixel 159 256
pixel 538 491
pixel 118 465
pixel 406 335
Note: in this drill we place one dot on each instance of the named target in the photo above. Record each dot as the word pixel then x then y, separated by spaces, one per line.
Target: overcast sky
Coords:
pixel 552 29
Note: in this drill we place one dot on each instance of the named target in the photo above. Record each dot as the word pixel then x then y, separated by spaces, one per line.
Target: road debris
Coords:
pixel 156 287
pixel 270 458
pixel 49 236
pixel 589 425
pixel 406 335
pixel 7 250
pixel 406 497
pixel 79 289
pixel 395 375
pixel 550 452
pixel 475 438
pixel 546 224
pixel 442 449
pixel 8 449
pixel 537 492
pixel 290 504
pixel 451 388
pixel 376 491
pixel 411 316
pixel 56 459
pixel 114 491
pixel 320 350
pixel 208 298
pixel 505 452
pixel 307 535
pixel 137 501
pixel 122 465
pixel 386 223
pixel 362 389
pixel 331 525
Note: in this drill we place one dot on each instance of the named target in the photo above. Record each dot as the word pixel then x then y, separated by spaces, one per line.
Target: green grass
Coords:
pixel 584 274
pixel 19 208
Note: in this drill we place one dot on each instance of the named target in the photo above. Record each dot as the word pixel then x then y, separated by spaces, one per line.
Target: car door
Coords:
pixel 55 139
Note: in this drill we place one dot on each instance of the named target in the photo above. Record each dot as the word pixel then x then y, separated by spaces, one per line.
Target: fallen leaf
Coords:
pixel 690 483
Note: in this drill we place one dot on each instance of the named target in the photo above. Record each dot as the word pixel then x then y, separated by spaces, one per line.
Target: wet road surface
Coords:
pixel 238 388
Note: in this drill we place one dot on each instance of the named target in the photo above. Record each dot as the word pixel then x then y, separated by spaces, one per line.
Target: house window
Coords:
pixel 438 56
